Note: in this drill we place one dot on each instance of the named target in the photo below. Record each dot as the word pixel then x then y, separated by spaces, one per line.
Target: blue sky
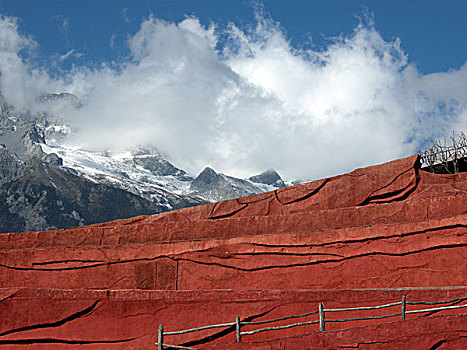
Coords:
pixel 433 32
pixel 243 86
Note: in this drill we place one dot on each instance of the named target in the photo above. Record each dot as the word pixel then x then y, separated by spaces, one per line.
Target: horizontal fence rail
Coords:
pixel 321 321
pixel 364 307
pixel 436 309
pixel 200 328
pixel 278 327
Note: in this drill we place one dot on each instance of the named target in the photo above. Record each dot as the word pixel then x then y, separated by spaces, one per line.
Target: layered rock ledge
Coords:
pixel 360 239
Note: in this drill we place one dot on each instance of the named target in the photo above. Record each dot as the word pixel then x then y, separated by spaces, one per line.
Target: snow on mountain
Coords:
pixel 150 176
pixel 124 171
pixel 37 193
pixel 214 186
pixel 143 172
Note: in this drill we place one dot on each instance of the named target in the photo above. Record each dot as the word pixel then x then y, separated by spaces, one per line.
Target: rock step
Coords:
pixel 128 319
pixel 144 232
pixel 423 253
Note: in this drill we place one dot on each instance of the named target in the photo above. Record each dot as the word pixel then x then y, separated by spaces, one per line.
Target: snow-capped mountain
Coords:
pixel 146 173
pixel 35 143
pixel 142 173
pixel 214 186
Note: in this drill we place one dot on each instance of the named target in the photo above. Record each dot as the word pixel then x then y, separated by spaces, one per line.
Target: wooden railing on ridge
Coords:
pixel 444 155
pixel 321 321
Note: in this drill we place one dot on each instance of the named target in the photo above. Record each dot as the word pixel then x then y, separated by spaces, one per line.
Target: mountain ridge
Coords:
pixel 38 170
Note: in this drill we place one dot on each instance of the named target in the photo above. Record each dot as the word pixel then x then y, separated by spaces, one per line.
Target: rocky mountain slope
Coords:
pixel 46 184
pixel 43 196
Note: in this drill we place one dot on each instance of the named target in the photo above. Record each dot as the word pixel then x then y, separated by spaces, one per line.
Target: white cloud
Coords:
pixel 65 24
pixel 112 40
pixel 69 54
pixel 15 83
pixel 244 101
pixel 125 15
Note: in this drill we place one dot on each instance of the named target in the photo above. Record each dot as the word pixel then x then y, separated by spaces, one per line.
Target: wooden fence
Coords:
pixel 447 156
pixel 322 320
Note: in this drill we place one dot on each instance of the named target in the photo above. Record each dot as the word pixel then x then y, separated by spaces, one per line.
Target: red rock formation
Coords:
pixel 359 239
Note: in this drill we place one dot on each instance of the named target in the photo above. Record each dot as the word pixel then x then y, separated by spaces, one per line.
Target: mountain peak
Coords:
pixel 205 177
pixel 268 177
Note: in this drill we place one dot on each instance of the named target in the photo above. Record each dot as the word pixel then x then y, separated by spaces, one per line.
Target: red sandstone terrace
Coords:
pixel 366 238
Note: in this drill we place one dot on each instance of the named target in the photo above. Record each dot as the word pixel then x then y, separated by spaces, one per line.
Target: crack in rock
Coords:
pixel 308 195
pixel 262 268
pixel 394 196
pixel 31 341
pixel 55 324
pixel 447 246
pixel 361 240
pixel 362 343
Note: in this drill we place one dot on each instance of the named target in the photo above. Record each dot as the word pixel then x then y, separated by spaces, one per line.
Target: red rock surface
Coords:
pixel 360 239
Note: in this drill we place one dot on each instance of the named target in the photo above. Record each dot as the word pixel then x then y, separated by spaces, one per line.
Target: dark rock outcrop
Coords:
pixel 215 187
pixel 268 177
pixel 9 164
pixel 60 97
pixel 43 196
pixel 156 164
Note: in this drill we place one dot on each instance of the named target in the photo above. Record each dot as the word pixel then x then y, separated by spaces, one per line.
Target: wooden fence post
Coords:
pixel 403 308
pixel 160 338
pixel 321 317
pixel 237 323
